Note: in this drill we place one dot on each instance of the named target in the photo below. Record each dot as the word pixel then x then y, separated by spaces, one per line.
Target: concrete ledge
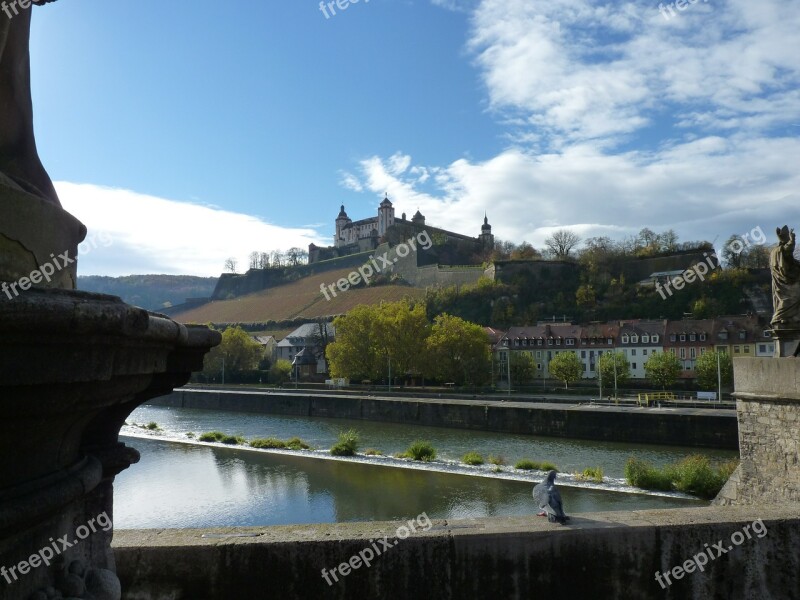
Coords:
pixel 597 555
pixel 767 378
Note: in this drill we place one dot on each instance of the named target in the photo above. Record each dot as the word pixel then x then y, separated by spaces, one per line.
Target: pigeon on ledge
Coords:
pixel 548 499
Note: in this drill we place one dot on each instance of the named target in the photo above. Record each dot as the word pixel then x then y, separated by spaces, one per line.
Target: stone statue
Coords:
pixel 785 281
pixel 20 166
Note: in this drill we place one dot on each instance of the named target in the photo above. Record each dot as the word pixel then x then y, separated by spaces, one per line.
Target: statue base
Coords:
pixel 34 232
pixel 73 366
pixel 787 342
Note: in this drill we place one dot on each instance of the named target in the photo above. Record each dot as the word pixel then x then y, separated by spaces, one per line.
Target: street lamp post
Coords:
pixel 223 370
pixel 509 369
pixel 616 399
pixel 719 380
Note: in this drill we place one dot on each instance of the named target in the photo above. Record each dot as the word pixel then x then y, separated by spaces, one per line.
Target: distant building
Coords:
pixel 305 337
pixel 352 237
pixel 639 340
pixel 689 339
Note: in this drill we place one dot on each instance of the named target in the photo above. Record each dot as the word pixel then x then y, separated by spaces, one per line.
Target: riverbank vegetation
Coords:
pixel 693 475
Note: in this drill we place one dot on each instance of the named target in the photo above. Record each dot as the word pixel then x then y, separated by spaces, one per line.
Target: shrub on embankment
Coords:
pixel 691 475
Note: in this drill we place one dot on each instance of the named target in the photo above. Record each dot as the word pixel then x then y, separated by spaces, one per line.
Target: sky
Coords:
pixel 185 133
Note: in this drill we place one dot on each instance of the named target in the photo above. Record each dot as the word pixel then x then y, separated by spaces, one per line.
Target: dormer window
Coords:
pixel 683 337
pixel 570 342
pixel 634 339
pixel 625 338
pixel 742 335
pixel 723 335
pixel 645 339
pixel 692 337
pixel 766 333
pixel 702 337
pixel 610 341
pixel 558 342
pixel 654 339
pixel 673 337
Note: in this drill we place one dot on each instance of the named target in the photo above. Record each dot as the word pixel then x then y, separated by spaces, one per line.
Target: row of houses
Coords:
pixel 638 339
pixel 688 339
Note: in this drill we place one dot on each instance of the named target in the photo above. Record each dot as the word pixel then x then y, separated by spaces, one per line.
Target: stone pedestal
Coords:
pixel 72 368
pixel 787 342
pixel 767 392
pixel 33 233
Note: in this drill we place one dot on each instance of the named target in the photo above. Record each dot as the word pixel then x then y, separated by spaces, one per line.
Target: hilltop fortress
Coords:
pixel 365 235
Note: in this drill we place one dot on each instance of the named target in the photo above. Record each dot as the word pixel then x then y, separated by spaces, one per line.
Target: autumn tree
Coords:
pixel 230 265
pixel 567 367
pixel 706 370
pixel 606 370
pixel 238 350
pixel 458 351
pixel 663 369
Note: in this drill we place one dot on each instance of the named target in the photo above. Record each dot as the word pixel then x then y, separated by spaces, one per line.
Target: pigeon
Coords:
pixel 548 499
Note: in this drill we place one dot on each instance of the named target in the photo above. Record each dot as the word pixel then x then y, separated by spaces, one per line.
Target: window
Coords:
pixel 633 351
pixel 625 339
pixel 702 337
pixel 692 353
pixel 570 342
pixel 672 337
pixel 539 342
pixel 747 349
pixel 762 348
pixel 610 341
pixel 549 341
pixel 634 339
pixel 505 342
pixel 742 335
pixel 683 353
pixel 644 352
pixel 654 339
pixel 539 366
pixel 516 342
pixel 736 350
pixel 672 350
pixel 558 342
pixel 766 333
pixel 645 339
pixel 723 335
pixel 693 337
pixel 683 337
pixel 583 353
pixel 538 354
pixel 633 366
pixel 702 351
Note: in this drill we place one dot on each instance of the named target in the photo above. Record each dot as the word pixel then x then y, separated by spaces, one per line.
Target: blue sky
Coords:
pixel 188 133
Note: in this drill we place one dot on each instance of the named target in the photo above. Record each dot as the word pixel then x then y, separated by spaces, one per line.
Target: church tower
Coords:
pixel 487 239
pixel 385 216
pixel 341 221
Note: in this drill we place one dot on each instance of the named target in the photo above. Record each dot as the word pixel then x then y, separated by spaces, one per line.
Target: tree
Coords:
pixel 263 260
pixel 526 252
pixel 253 260
pixel 370 337
pixel 561 243
pixel 458 351
pixel 662 369
pixel 281 371
pixel 230 265
pixel 567 367
pixel 732 252
pixel 586 296
pixel 523 367
pixel 605 368
pixel 706 370
pixel 239 351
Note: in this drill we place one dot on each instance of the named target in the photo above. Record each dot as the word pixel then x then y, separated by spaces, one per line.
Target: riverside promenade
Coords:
pixel 557 416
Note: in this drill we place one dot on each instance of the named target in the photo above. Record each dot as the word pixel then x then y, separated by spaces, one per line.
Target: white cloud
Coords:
pixel 621 119
pixel 156 235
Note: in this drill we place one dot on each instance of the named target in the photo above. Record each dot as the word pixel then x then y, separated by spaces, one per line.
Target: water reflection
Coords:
pixel 178 485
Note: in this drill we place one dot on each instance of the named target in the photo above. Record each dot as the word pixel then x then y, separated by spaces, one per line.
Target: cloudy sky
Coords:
pixel 188 133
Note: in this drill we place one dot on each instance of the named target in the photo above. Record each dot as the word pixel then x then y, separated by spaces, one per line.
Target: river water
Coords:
pixel 183 484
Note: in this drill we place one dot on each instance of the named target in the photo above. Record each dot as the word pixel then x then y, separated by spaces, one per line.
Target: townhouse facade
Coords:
pixel 637 339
